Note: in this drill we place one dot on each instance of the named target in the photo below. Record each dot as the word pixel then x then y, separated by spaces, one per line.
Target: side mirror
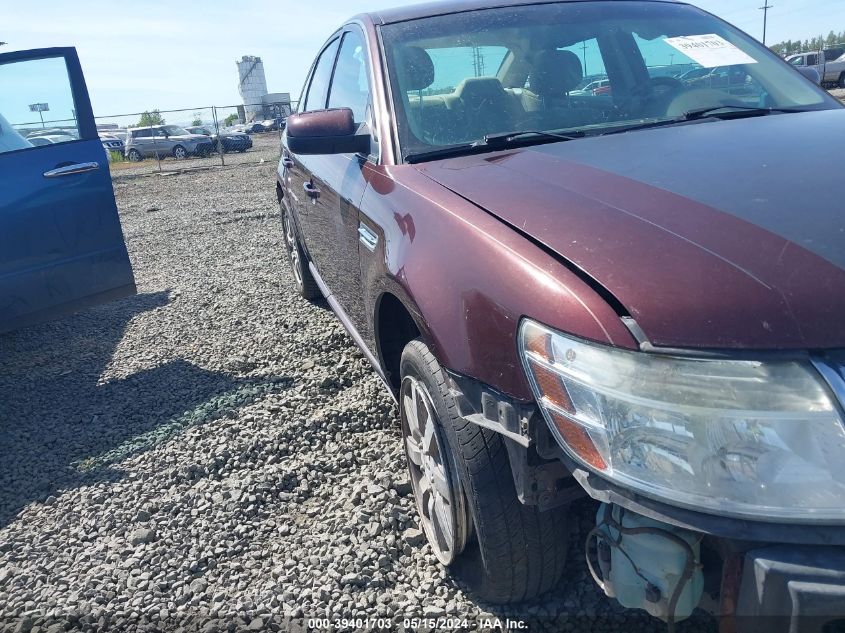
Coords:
pixel 810 73
pixel 325 132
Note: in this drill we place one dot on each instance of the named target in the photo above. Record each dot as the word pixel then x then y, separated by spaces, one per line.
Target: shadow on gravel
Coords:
pixel 61 428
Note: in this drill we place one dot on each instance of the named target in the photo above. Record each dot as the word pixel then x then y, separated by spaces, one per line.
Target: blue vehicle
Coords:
pixel 61 243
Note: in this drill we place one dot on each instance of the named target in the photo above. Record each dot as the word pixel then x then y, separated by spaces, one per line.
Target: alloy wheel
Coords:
pixel 293 248
pixel 437 489
pixel 180 152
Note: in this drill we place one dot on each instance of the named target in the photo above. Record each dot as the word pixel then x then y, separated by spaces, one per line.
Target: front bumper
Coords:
pixel 236 145
pixel 202 149
pixel 795 589
pixel 763 575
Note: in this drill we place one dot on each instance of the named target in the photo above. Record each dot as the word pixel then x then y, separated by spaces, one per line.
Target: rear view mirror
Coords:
pixel 325 132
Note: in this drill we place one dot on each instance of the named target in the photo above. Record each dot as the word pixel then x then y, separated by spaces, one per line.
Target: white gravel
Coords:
pixel 215 454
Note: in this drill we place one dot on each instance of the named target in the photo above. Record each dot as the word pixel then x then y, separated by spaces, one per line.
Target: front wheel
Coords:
pixel 180 152
pixel 460 473
pixel 135 156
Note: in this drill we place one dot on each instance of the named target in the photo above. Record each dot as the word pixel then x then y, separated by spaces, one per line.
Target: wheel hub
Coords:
pixel 293 248
pixel 434 477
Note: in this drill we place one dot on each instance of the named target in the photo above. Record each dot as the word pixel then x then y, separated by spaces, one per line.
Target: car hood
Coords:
pixel 727 234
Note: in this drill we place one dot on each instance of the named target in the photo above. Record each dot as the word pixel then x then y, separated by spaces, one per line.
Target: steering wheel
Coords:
pixel 663 86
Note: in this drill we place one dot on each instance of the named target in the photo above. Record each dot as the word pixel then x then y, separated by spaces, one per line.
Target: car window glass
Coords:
pixel 453 64
pixel 592 67
pixel 319 89
pixel 812 60
pixel 642 61
pixel 798 61
pixel 36 101
pixel 350 85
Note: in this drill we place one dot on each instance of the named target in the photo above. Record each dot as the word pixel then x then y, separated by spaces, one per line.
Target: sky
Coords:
pixel 170 54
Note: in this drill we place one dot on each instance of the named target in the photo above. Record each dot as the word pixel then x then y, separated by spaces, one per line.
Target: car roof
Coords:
pixel 446 7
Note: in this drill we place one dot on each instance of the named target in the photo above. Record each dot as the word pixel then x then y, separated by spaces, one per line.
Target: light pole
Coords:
pixel 584 56
pixel 765 9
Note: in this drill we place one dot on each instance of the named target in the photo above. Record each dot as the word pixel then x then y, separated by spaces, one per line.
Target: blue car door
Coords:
pixel 61 244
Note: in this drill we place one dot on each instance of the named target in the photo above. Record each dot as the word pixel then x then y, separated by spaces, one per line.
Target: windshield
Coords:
pixel 590 67
pixel 175 130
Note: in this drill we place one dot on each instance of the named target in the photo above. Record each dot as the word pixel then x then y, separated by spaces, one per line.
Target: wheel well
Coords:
pixel 395 328
pixel 279 192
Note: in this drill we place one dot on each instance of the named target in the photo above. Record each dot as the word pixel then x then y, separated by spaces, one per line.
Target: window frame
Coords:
pixel 344 35
pixel 86 127
pixel 335 37
pixel 368 68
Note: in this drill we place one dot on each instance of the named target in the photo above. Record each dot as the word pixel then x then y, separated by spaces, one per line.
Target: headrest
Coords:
pixel 555 73
pixel 416 68
pixel 476 89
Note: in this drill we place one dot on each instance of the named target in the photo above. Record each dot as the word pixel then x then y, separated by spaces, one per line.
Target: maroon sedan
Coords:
pixel 637 296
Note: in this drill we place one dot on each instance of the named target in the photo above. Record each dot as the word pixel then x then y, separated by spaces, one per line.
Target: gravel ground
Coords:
pixel 214 453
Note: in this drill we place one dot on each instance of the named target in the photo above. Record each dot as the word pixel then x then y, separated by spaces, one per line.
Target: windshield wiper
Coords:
pixel 491 142
pixel 703 114
pixel 732 112
pixel 507 138
pixel 444 152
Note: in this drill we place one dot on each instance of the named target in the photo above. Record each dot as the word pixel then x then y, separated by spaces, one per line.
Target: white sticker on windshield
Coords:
pixel 710 50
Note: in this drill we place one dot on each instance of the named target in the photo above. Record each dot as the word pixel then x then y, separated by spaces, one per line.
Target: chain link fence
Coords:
pixel 206 133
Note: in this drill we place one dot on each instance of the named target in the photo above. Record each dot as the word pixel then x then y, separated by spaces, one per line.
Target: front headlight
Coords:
pixel 762 440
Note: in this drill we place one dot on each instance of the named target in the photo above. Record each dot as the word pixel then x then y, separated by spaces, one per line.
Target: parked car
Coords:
pixel 637 298
pixel 722 77
pixel 592 88
pixel 49 139
pixel 61 245
pixel 693 74
pixel 163 141
pixel 53 131
pixel 829 63
pixel 232 142
pixel 112 143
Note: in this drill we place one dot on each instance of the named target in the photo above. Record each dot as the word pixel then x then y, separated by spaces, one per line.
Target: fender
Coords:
pixel 467 279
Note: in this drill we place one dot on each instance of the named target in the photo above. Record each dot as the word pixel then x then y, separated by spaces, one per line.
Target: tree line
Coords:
pixel 154 117
pixel 798 46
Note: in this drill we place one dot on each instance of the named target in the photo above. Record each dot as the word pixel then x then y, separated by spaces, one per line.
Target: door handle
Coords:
pixel 287 162
pixel 70 170
pixel 311 190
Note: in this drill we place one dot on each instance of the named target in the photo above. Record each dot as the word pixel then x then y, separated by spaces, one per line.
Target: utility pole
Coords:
pixel 765 9
pixel 584 56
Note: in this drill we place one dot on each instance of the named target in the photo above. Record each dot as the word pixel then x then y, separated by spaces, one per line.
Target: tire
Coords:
pixel 134 155
pixel 842 80
pixel 517 553
pixel 180 152
pixel 306 286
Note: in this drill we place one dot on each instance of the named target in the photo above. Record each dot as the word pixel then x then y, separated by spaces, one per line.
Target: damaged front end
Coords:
pixel 721 480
